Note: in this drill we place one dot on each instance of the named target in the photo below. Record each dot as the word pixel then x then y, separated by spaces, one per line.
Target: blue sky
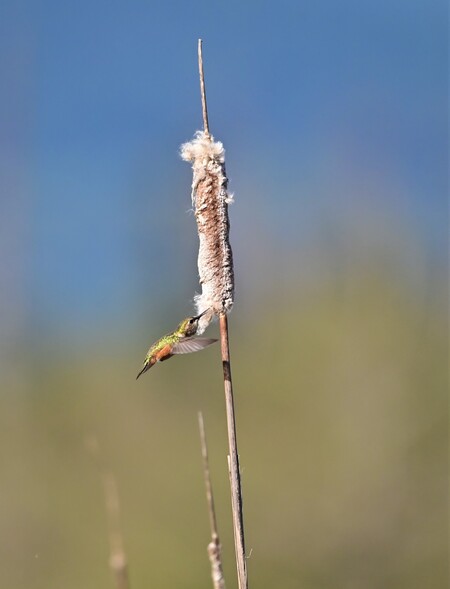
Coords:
pixel 316 102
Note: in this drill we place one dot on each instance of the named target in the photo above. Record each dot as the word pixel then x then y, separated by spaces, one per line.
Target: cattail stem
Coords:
pixel 233 457
pixel 202 88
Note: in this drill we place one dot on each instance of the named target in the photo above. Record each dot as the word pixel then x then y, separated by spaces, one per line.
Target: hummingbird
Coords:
pixel 180 341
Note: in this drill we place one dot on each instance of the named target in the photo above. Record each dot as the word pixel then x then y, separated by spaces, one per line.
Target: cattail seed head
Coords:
pixel 210 201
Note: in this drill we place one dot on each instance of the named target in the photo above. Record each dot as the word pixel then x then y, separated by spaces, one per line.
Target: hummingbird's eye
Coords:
pixel 191 320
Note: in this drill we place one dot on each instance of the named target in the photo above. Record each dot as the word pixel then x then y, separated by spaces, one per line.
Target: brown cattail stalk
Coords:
pixel 117 558
pixel 210 201
pixel 214 547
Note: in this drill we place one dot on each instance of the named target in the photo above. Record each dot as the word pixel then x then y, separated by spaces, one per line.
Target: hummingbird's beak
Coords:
pixel 201 315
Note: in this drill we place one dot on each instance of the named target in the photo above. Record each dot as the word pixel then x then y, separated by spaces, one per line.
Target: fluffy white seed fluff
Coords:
pixel 210 201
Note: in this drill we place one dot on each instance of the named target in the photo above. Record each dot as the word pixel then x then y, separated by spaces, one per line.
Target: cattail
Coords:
pixel 210 200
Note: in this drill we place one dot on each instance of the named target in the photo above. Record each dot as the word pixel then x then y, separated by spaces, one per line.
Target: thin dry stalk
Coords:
pixel 215 263
pixel 202 88
pixel 117 558
pixel 214 547
pixel 233 458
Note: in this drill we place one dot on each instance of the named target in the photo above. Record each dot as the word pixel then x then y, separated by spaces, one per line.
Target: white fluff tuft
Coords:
pixel 210 201
pixel 202 146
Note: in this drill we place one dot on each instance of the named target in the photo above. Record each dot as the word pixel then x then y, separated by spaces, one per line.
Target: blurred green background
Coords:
pixel 334 118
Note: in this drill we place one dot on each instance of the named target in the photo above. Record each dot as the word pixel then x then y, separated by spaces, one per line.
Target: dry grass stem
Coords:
pixel 214 547
pixel 117 558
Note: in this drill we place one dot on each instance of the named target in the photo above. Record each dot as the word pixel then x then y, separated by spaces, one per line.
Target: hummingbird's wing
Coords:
pixel 192 344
